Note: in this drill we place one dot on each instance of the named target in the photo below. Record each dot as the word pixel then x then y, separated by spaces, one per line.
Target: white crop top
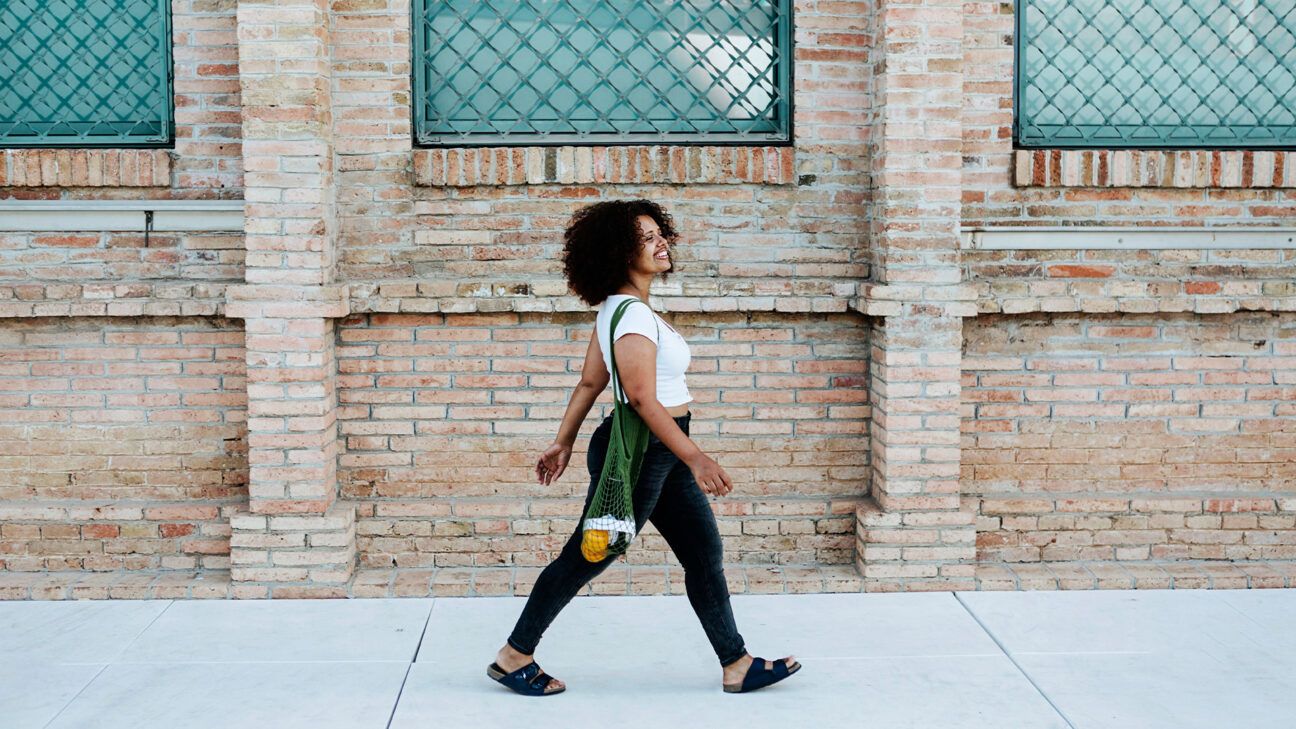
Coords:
pixel 672 351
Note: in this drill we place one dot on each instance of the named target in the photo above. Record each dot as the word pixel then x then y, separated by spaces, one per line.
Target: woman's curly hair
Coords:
pixel 602 242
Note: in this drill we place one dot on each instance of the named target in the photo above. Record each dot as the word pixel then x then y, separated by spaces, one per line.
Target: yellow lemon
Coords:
pixel 594 543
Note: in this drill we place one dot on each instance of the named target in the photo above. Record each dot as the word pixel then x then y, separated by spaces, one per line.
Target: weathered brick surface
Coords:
pixel 116 258
pixel 285 82
pixel 443 416
pixel 101 299
pixel 296 531
pixel 629 580
pixel 1131 437
pixel 1132 281
pixel 403 344
pixel 64 167
pixel 304 550
pixel 96 535
pixel 911 534
pixel 915 170
pixel 518 293
pixel 149 409
pixel 292 400
pixel 1200 168
pixel 122 442
pixel 673 164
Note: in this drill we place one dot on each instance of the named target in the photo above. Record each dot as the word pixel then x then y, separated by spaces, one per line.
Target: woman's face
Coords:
pixel 654 252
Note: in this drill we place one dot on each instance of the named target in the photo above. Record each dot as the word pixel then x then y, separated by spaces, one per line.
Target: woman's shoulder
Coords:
pixel 609 305
pixel 642 315
pixel 615 300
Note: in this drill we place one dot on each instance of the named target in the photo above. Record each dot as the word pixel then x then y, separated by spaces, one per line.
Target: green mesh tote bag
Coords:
pixel 608 526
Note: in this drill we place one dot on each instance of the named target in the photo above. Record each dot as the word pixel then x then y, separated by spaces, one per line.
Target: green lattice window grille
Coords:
pixel 602 71
pixel 1155 73
pixel 85 73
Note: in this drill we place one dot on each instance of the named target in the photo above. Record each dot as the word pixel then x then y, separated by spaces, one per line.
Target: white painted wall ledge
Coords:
pixel 1036 237
pixel 110 215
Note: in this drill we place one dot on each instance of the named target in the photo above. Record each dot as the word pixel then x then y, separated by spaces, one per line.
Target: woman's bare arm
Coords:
pixel 594 378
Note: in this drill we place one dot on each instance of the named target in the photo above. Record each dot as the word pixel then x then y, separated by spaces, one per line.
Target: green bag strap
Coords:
pixel 632 429
pixel 616 319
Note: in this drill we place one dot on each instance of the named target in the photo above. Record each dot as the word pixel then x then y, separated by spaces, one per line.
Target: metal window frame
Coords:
pixel 784 73
pixel 1018 89
pixel 166 140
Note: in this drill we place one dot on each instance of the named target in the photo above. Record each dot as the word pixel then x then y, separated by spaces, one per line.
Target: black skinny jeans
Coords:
pixel 668 496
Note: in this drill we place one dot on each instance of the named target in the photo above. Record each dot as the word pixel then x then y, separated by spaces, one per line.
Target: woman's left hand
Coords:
pixel 552 463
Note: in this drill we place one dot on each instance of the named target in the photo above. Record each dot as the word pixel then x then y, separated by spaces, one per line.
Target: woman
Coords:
pixel 613 251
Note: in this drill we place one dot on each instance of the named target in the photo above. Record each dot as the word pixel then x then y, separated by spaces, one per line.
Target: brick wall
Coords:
pixel 1204 281
pixel 117 258
pixel 440 436
pixel 444 415
pixel 208 116
pixel 1204 271
pixel 123 442
pixel 130 430
pixel 1131 437
pixel 393 326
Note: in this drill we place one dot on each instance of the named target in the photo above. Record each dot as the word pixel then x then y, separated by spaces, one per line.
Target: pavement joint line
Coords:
pixel 409 667
pixel 396 704
pixel 426 622
pixel 1061 714
pixel 107 663
pixel 143 630
pixel 77 695
pixel 1241 612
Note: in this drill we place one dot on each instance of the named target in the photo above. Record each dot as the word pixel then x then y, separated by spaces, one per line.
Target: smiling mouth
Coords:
pixel 664 255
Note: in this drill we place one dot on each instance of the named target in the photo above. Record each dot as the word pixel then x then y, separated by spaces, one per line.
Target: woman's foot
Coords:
pixel 735 672
pixel 510 660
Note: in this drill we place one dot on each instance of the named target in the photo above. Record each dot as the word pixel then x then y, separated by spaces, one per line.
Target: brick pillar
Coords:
pixel 912 535
pixel 284 81
pixel 295 538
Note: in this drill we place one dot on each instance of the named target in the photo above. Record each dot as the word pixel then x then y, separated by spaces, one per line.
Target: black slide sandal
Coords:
pixel 527 680
pixel 758 676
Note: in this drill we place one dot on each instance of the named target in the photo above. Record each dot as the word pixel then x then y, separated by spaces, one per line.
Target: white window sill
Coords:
pixel 131 215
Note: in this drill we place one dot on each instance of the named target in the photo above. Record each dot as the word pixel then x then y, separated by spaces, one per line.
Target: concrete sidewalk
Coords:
pixel 1127 659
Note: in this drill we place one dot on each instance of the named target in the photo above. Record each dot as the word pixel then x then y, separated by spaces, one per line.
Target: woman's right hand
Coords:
pixel 710 476
pixel 552 463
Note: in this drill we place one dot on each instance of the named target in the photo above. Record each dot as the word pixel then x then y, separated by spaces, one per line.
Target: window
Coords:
pixel 601 71
pixel 1155 73
pixel 85 73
